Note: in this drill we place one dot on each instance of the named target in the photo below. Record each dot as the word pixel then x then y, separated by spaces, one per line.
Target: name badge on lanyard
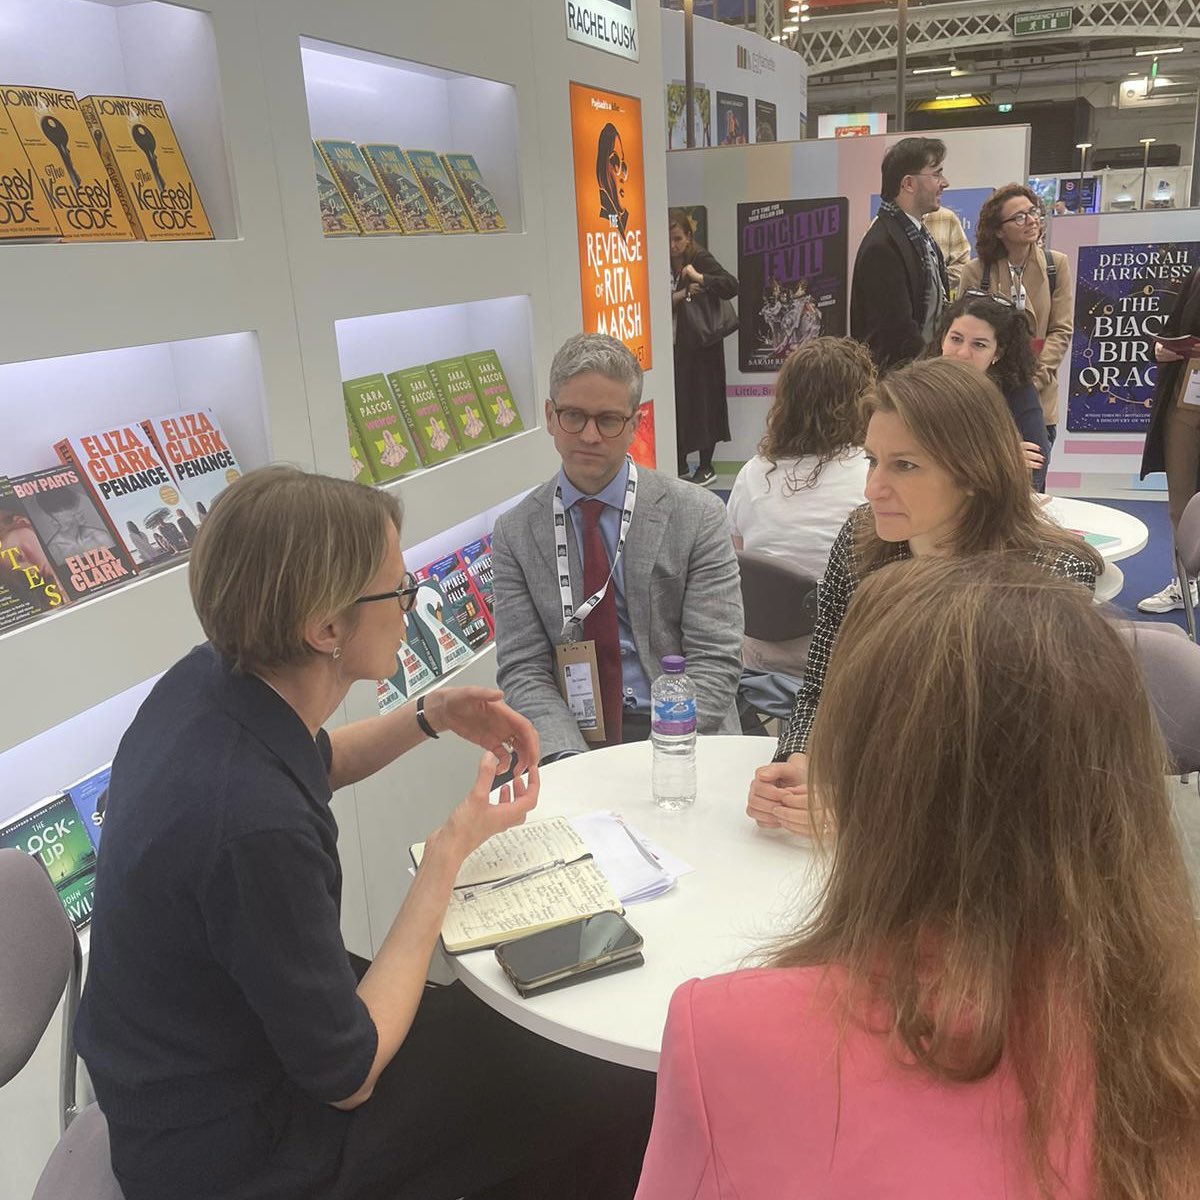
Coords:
pixel 1189 393
pixel 578 674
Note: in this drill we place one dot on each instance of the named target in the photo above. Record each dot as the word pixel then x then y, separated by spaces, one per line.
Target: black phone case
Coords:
pixel 625 964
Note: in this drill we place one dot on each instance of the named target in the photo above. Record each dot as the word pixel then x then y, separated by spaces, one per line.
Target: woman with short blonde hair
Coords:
pixel 233 1047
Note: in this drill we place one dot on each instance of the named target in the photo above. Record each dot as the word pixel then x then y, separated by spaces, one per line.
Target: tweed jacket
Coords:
pixel 682 591
pixel 1050 318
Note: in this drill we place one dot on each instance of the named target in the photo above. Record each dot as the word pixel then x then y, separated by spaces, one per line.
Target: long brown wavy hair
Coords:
pixel 988 245
pixel 960 419
pixel 1006 879
pixel 816 413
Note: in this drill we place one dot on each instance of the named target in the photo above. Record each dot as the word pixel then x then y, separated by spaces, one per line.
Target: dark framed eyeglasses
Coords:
pixel 574 420
pixel 979 294
pixel 619 167
pixel 406 593
pixel 1023 217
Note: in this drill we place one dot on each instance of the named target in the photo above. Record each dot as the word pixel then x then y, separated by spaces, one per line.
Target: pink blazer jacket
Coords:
pixel 756 1101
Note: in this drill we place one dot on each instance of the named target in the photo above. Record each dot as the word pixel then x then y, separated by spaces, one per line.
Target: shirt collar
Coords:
pixel 613 495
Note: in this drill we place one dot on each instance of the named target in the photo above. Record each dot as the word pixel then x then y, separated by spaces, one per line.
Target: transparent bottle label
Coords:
pixel 674 717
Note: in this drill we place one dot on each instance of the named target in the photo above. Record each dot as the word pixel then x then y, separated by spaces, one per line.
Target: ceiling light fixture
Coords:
pixel 933 70
pixel 1153 53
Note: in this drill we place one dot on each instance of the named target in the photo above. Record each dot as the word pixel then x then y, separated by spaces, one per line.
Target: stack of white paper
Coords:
pixel 636 869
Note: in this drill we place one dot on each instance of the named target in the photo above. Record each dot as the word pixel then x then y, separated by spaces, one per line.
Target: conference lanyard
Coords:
pixel 572 616
pixel 1017 274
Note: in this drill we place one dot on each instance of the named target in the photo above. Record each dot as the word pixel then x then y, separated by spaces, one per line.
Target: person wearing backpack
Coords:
pixel 1013 264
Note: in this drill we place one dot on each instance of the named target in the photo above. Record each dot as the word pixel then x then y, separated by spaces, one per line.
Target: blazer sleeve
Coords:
pixel 525 669
pixel 1060 325
pixel 889 328
pixel 716 279
pixel 711 620
pixel 680 1162
pixel 1026 408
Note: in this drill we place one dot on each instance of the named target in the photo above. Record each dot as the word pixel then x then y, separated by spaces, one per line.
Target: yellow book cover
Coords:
pixel 24 210
pixel 399 184
pixel 358 187
pixel 142 154
pixel 66 164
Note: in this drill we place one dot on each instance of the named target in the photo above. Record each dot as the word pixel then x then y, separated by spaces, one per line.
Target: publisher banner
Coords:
pixel 604 25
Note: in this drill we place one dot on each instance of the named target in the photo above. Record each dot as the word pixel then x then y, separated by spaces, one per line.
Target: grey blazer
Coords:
pixel 682 590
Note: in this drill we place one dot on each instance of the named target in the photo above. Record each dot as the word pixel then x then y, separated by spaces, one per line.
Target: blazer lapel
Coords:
pixel 650 519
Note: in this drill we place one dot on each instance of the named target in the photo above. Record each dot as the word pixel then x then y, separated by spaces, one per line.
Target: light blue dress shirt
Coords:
pixel 634 684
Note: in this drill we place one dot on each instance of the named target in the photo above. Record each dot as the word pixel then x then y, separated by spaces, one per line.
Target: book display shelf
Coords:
pixel 265 321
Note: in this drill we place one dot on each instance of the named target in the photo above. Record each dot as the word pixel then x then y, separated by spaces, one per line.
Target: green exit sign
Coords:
pixel 1050 20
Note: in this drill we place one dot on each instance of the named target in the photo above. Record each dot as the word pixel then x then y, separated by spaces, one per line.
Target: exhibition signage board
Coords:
pixel 792 278
pixel 1123 297
pixel 733 119
pixel 604 25
pixel 1050 20
pixel 610 215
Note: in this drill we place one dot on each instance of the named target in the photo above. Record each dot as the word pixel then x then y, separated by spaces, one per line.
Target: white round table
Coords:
pixel 1086 516
pixel 748 886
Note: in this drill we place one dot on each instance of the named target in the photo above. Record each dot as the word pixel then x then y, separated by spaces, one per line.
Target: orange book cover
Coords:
pixel 66 164
pixel 24 210
pixel 138 145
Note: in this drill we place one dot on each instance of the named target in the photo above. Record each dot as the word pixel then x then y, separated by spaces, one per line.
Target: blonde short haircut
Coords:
pixel 279 548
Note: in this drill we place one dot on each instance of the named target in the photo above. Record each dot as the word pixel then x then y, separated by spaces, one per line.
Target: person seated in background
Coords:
pixel 613 565
pixel 991 335
pixel 233 1050
pixel 790 500
pixel 998 993
pixel 947 478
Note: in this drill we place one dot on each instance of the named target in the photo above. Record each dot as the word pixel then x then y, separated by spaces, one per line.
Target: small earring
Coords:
pixel 337 653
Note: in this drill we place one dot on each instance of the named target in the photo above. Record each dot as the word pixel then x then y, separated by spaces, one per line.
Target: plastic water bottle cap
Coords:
pixel 674 664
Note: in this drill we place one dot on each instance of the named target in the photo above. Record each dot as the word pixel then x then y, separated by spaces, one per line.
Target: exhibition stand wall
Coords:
pixel 266 320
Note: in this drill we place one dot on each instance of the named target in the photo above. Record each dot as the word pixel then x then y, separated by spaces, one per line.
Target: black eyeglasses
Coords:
pixel 406 593
pixel 574 420
pixel 982 295
pixel 1023 217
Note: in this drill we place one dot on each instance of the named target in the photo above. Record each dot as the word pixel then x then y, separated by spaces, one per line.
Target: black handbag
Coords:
pixel 706 320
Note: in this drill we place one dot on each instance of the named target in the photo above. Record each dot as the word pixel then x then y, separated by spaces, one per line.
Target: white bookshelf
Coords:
pixel 264 323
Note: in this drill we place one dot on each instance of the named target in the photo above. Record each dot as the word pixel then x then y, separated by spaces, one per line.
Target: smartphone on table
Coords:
pixel 581 949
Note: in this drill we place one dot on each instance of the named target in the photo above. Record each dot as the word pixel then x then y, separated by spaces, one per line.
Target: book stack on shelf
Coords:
pixel 378 188
pixel 96 168
pixel 124 500
pixel 450 622
pixel 424 415
pixel 63 833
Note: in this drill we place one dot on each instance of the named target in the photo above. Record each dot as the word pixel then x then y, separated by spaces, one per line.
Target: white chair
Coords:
pixel 39 959
pixel 1187 558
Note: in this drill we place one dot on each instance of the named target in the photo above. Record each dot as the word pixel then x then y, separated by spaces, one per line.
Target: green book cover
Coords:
pixel 476 196
pixel 421 405
pixel 53 833
pixel 466 408
pixel 350 172
pixel 385 441
pixel 394 174
pixel 336 218
pixel 360 472
pixel 499 407
pixel 440 191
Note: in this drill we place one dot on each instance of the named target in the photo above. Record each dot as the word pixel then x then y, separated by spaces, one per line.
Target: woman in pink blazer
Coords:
pixel 998 997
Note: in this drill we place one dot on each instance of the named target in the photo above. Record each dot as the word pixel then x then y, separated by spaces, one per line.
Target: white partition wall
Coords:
pixel 264 323
pixel 977 160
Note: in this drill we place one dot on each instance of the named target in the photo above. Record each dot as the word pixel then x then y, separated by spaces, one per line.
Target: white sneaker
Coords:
pixel 1168 600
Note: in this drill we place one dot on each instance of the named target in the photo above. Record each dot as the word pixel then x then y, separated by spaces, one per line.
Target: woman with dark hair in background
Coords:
pixel 1036 280
pixel 701 409
pixel 991 335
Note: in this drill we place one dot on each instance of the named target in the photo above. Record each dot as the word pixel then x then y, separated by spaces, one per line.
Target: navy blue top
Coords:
pixel 1026 409
pixel 217 964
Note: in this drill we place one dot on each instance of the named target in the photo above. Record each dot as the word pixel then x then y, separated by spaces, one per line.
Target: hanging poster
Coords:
pixel 641 449
pixel 733 119
pixel 766 124
pixel 604 25
pixel 1123 297
pixel 791 277
pixel 1080 197
pixel 677 116
pixel 610 216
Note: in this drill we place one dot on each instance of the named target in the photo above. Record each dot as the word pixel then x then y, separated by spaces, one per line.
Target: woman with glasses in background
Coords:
pixel 1013 263
pixel 235 1050
pixel 701 410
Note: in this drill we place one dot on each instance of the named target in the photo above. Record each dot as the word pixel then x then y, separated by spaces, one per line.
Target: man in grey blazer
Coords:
pixel 676 579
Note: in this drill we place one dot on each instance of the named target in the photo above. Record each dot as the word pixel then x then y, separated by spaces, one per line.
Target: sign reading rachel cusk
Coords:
pixel 610 216
pixel 605 25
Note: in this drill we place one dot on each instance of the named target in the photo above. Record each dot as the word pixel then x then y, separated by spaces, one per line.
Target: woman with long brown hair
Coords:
pixel 998 992
pixel 1036 280
pixel 947 478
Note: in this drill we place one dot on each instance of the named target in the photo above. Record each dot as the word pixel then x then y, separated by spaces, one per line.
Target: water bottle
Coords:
pixel 673 735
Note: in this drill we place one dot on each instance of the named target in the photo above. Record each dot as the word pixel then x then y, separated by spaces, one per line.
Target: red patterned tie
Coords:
pixel 601 623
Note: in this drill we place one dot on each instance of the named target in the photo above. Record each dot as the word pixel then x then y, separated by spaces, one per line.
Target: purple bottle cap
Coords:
pixel 674 664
